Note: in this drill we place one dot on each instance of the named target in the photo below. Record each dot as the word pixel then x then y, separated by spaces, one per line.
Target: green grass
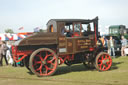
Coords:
pixel 73 75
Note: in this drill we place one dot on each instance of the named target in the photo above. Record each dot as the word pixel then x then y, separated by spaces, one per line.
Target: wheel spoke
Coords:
pixel 53 59
pixel 102 57
pixel 106 57
pixel 47 68
pixel 109 62
pixel 104 66
pixel 50 54
pixel 40 67
pixel 47 55
pixel 100 66
pixel 99 60
pixel 50 61
pixel 40 56
pixel 36 62
pixel 46 71
pixel 53 64
pixel 41 71
pixel 44 62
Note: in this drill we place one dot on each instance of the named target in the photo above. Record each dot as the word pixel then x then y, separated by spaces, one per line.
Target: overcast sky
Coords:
pixel 35 13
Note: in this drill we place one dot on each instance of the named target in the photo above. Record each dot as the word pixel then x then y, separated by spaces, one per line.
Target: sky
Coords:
pixel 36 13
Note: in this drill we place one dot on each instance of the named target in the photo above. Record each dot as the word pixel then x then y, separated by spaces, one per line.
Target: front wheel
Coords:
pixel 103 61
pixel 43 62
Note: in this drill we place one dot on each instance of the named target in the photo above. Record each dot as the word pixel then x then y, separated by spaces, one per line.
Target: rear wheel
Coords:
pixel 43 62
pixel 103 61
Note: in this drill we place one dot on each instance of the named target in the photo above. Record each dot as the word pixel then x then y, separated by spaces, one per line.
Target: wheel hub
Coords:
pixel 44 62
pixel 104 61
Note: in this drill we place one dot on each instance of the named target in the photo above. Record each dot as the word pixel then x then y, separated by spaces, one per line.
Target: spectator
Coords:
pixel 103 40
pixel 8 54
pixel 106 42
pixel 111 49
pixel 63 30
pixel 123 44
pixel 99 42
pixel 3 50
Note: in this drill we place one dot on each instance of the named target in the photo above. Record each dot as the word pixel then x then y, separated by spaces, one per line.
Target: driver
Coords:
pixel 66 32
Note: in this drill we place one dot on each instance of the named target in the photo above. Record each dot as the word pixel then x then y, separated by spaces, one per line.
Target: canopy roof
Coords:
pixel 117 26
pixel 84 21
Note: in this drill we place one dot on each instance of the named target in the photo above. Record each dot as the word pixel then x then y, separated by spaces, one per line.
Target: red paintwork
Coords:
pixel 75 34
pixel 95 35
pixel 104 66
pixel 63 58
pixel 91 49
pixel 19 55
pixel 43 64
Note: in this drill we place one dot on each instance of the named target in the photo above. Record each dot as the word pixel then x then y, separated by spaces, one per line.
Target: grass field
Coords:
pixel 73 75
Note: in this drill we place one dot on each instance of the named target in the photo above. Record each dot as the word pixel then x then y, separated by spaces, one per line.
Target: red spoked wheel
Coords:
pixel 43 62
pixel 103 61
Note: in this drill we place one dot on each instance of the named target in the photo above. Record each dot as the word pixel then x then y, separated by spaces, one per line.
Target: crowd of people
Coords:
pixel 110 44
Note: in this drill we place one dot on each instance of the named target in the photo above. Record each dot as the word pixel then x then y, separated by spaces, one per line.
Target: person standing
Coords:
pixel 111 49
pixel 103 40
pixel 106 42
pixel 8 54
pixel 3 50
pixel 123 44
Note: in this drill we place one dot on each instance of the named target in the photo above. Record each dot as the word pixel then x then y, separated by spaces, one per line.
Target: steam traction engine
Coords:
pixel 68 41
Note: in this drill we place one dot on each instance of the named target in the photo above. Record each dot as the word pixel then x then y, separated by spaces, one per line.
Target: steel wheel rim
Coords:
pixel 104 62
pixel 44 62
